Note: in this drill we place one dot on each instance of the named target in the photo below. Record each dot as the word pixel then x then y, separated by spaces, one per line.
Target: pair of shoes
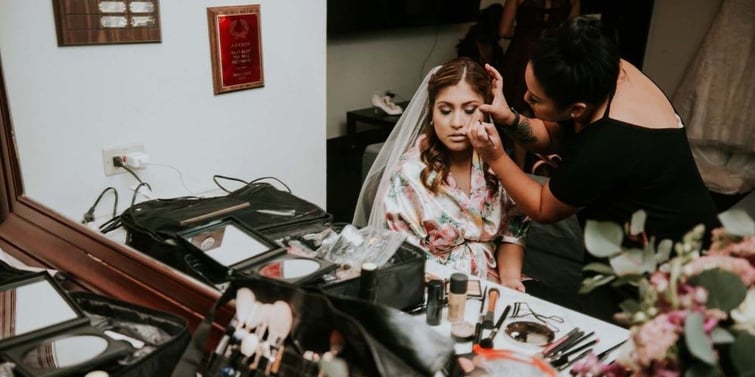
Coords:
pixel 386 104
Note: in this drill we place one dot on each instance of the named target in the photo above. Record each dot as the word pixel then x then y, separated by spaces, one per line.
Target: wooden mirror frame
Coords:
pixel 39 236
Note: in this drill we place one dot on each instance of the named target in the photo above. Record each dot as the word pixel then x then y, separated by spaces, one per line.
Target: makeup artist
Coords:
pixel 623 146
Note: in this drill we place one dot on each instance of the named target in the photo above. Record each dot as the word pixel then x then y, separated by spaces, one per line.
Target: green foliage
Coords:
pixel 600 268
pixel 741 354
pixel 594 282
pixel 725 289
pixel 721 336
pixel 602 238
pixel 697 342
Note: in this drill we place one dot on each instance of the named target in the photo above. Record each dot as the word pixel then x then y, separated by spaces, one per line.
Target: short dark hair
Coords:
pixel 576 62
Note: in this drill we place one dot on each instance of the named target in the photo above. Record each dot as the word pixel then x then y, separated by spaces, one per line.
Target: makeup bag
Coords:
pixel 153 227
pixel 377 341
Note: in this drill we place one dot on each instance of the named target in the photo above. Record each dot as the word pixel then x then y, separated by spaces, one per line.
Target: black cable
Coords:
pixel 136 191
pixel 89 215
pixel 273 178
pixel 216 176
pixel 128 169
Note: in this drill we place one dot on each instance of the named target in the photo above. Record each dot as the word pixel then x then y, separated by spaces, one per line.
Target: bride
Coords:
pixel 429 183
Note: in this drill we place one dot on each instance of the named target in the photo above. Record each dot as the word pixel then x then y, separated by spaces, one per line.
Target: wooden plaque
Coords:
pixel 235 47
pixel 85 22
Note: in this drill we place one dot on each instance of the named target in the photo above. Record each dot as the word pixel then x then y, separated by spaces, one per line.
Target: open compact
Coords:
pixel 45 334
pixel 531 333
pixel 238 247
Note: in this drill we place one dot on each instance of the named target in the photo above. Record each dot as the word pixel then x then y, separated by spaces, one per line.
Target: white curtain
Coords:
pixel 716 100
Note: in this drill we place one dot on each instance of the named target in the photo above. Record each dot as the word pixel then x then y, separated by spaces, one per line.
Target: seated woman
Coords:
pixel 438 191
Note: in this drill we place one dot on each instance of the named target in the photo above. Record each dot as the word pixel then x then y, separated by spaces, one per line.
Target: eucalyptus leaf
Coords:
pixel 701 370
pixel 637 224
pixel 633 262
pixel 721 336
pixel 602 238
pixel 725 289
pixel 600 268
pixel 627 279
pixel 663 252
pixel 630 306
pixel 740 354
pixel 737 222
pixel 697 342
pixel 594 282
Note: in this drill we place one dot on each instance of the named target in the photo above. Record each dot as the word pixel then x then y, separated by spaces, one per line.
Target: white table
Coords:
pixel 608 334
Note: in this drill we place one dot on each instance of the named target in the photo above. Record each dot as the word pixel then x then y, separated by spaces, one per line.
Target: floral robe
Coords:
pixel 461 231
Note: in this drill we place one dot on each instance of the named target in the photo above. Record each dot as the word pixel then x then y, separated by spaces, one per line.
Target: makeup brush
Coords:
pixel 488 342
pixel 478 325
pixel 245 301
pixel 281 319
pixel 493 294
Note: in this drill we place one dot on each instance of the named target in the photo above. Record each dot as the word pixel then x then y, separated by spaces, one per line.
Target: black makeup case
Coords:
pixel 133 341
pixel 156 227
pixel 373 340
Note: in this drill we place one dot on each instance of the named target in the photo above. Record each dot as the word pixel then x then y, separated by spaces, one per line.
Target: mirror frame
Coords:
pixel 38 236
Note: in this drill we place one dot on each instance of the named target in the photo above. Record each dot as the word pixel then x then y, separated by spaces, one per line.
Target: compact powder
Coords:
pixel 462 331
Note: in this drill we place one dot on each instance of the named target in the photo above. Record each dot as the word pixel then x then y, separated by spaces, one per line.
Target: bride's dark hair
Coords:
pixel 435 154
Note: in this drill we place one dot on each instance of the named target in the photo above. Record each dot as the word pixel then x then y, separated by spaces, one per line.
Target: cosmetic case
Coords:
pixel 141 342
pixel 154 228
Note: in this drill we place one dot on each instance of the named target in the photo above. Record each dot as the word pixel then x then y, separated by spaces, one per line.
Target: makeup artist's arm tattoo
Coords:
pixel 522 132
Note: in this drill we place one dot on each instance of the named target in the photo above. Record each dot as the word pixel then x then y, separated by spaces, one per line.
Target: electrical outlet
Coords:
pixel 108 154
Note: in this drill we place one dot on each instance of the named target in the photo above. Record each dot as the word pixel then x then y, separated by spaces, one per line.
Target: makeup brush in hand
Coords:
pixel 488 342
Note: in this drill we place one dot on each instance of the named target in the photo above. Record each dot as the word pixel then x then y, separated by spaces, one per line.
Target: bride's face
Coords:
pixel 455 108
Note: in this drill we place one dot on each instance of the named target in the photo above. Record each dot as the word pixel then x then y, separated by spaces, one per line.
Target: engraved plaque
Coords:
pixel 81 22
pixel 141 7
pixel 236 47
pixel 112 6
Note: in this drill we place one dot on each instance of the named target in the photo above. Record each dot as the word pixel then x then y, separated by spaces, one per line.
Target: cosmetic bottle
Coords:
pixel 434 302
pixel 457 297
pixel 368 282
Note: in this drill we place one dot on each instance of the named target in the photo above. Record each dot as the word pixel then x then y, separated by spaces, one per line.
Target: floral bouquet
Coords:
pixel 695 312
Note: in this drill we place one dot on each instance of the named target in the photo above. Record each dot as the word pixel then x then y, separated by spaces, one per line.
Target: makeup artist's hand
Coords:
pixel 498 108
pixel 485 140
pixel 513 283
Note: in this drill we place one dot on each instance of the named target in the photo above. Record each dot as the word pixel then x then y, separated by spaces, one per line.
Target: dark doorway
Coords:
pixel 628 21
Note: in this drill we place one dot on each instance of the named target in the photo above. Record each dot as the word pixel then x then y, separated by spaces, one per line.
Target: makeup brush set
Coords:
pixel 280 329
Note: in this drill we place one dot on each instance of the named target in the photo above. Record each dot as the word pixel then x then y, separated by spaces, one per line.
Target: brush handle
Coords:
pixel 500 321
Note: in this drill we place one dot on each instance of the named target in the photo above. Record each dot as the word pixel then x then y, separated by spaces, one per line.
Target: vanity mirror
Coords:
pixel 45 334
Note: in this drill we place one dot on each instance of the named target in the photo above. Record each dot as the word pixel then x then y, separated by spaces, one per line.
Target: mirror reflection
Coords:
pixel 289 268
pixel 60 353
pixel 32 307
pixel 227 244
pixel 531 333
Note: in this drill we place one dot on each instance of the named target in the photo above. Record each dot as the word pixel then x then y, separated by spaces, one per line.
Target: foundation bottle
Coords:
pixel 457 297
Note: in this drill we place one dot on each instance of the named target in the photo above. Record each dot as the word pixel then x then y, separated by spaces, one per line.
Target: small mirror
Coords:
pixel 64 352
pixel 226 243
pixel 33 306
pixel 531 333
pixel 289 268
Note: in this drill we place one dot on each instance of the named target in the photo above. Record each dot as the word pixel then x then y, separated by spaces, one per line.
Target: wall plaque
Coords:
pixel 235 47
pixel 84 22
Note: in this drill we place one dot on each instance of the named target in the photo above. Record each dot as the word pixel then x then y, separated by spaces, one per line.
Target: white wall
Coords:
pixel 68 103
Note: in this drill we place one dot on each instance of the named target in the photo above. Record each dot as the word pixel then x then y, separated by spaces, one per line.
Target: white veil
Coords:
pixel 370 209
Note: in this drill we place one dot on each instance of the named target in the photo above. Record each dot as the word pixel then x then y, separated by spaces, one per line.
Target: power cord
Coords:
pixel 118 162
pixel 89 215
pixel 136 191
pixel 180 175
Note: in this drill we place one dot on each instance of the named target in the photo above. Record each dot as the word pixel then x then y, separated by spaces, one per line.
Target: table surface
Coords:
pixel 608 334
